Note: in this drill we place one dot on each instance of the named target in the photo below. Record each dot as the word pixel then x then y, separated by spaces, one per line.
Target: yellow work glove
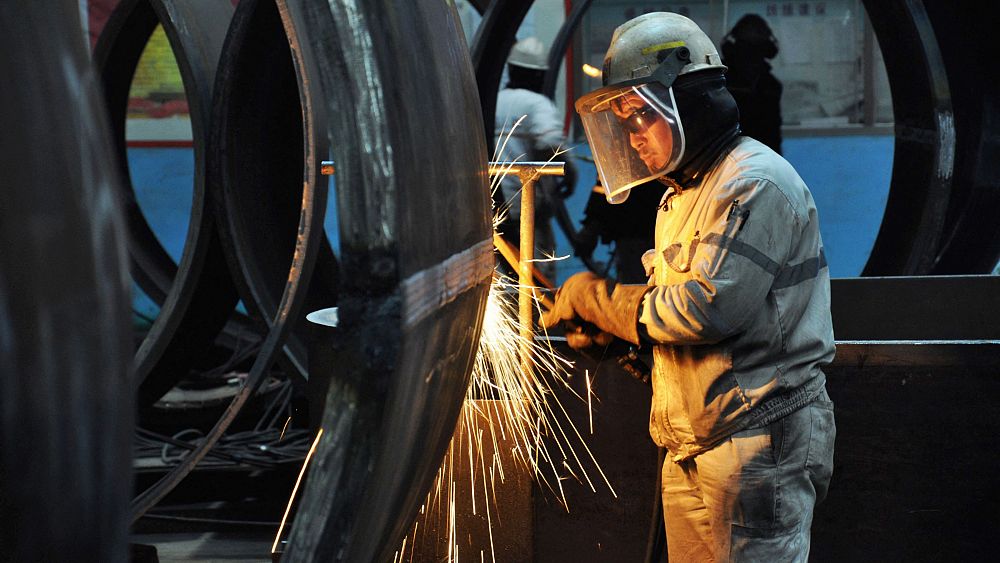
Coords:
pixel 612 308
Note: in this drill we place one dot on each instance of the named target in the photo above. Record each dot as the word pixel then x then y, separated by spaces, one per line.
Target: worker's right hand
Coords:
pixel 611 307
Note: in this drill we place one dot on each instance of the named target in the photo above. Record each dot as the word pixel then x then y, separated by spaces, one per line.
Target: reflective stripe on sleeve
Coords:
pixel 744 250
pixel 806 270
pixel 783 277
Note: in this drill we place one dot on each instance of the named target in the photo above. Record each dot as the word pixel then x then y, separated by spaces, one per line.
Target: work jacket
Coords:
pixel 739 310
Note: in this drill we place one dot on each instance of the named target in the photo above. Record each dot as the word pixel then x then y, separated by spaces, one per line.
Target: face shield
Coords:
pixel 635 134
pixel 634 129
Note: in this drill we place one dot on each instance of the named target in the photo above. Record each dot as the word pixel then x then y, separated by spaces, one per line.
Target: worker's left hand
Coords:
pixel 612 308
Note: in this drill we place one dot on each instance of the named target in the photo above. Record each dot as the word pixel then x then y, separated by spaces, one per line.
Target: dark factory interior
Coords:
pixel 266 294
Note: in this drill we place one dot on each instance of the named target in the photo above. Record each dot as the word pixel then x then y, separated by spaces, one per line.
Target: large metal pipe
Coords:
pixel 971 243
pixel 66 407
pixel 298 271
pixel 196 295
pixel 416 257
pixel 256 160
pixel 924 151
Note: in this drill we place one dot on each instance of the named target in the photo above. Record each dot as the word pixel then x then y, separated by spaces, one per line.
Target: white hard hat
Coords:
pixel 529 53
pixel 637 47
pixel 633 123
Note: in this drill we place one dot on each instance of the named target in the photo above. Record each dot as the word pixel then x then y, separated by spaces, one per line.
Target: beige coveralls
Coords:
pixel 740 313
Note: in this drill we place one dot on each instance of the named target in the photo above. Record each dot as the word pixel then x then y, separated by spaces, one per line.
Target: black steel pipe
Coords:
pixel 66 409
pixel 924 152
pixel 299 270
pixel 197 295
pixel 971 243
pixel 416 257
pixel 256 160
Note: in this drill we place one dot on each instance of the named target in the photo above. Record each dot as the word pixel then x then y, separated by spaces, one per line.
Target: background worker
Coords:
pixel 537 138
pixel 738 308
pixel 745 51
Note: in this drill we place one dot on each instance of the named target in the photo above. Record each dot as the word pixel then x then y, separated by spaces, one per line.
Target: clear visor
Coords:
pixel 635 135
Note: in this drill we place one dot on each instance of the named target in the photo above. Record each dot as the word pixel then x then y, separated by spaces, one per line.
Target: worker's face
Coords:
pixel 649 133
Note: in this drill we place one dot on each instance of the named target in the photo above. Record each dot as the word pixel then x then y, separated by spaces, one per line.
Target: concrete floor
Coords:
pixel 216 516
pixel 208 547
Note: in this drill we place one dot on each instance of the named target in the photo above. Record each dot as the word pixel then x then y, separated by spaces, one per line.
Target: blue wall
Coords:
pixel 848 175
pixel 162 179
pixel 849 179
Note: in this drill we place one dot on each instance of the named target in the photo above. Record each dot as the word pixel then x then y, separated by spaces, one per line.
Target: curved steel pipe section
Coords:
pixel 971 243
pixel 197 295
pixel 65 344
pixel 389 88
pixel 298 272
pixel 924 153
pixel 256 160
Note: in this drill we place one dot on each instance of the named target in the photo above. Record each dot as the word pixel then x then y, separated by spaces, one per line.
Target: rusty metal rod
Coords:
pixel 528 173
pixel 512 256
pixel 533 169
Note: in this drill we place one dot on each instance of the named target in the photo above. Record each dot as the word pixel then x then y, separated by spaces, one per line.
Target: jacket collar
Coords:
pixel 691 173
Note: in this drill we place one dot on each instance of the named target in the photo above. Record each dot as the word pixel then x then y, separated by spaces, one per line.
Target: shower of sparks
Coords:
pixel 507 410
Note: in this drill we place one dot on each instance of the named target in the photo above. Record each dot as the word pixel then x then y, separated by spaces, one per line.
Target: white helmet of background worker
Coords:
pixel 529 53
pixel 633 123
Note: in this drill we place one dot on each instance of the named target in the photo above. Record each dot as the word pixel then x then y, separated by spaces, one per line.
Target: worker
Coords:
pixel 737 310
pixel 539 137
pixel 745 52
